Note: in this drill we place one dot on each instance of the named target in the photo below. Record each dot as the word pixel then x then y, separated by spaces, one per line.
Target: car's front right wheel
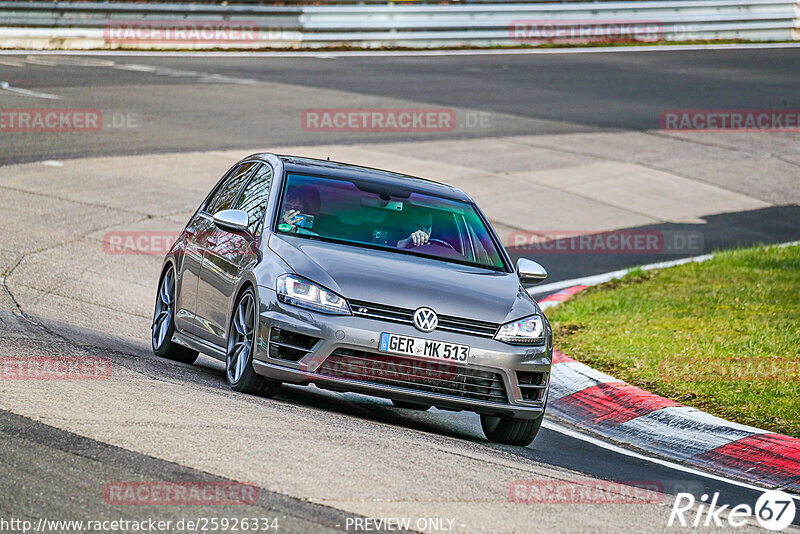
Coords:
pixel 511 431
pixel 241 347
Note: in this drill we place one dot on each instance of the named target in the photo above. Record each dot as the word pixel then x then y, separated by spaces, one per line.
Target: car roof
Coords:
pixel 296 164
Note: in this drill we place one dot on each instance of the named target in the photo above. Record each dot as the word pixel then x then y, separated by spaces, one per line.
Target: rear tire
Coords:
pixel 163 327
pixel 241 346
pixel 511 431
pixel 411 405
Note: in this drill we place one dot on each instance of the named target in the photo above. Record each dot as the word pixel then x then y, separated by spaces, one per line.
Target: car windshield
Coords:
pixel 387 217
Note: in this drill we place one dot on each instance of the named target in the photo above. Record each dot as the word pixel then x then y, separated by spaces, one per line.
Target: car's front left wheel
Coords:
pixel 241 347
pixel 163 327
pixel 511 431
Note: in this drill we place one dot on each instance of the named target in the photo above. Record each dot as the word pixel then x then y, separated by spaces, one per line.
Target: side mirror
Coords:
pixel 232 220
pixel 530 272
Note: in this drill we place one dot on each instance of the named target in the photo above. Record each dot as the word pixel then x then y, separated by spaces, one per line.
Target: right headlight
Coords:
pixel 298 291
pixel 526 331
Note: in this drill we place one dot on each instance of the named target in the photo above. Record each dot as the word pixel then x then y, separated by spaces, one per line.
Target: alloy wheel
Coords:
pixel 165 309
pixel 241 339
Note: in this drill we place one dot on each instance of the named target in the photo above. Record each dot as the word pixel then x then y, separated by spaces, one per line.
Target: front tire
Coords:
pixel 510 431
pixel 241 347
pixel 163 326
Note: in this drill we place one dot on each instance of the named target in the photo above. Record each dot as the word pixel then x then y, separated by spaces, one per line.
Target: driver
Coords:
pixel 300 202
pixel 419 227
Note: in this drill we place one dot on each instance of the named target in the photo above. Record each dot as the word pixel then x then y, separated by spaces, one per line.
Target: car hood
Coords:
pixel 406 281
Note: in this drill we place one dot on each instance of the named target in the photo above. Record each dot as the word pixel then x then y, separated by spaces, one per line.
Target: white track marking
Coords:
pixel 202 77
pixel 404 53
pixel 67 61
pixel 5 86
pixel 555 427
pixel 42 61
pixel 12 62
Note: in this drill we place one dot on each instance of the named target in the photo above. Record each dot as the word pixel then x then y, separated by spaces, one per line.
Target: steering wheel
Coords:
pixel 441 243
pixel 436 242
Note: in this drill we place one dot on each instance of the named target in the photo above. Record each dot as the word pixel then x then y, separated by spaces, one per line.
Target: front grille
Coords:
pixel 427 376
pixel 405 316
pixel 531 385
pixel 288 345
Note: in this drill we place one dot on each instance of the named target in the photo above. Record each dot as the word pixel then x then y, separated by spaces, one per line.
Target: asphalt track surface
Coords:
pixel 217 103
pixel 54 465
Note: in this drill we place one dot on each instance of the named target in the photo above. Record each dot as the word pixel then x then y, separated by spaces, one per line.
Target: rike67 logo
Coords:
pixel 774 510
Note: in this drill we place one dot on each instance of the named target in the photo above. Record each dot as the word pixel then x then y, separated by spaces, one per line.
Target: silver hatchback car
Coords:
pixel 355 279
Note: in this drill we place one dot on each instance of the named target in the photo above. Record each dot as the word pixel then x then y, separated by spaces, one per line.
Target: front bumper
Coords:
pixel 339 334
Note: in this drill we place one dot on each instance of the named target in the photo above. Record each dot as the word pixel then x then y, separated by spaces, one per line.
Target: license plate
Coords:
pixel 426 348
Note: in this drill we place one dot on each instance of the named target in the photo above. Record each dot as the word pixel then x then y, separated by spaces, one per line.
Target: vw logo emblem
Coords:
pixel 425 319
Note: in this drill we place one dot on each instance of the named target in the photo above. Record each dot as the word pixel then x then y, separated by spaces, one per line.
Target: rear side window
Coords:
pixel 227 194
pixel 255 196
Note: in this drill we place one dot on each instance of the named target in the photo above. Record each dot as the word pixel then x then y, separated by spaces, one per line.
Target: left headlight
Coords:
pixel 527 331
pixel 298 291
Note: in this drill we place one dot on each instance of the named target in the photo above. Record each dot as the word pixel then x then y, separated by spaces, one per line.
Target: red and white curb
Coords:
pixel 559 297
pixel 604 405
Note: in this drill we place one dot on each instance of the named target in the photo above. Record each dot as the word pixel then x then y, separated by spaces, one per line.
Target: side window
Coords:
pixel 254 197
pixel 224 198
pixel 212 196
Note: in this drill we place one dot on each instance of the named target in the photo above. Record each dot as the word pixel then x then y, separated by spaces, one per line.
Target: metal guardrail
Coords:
pixel 86 24
pixel 296 2
pixel 98 14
